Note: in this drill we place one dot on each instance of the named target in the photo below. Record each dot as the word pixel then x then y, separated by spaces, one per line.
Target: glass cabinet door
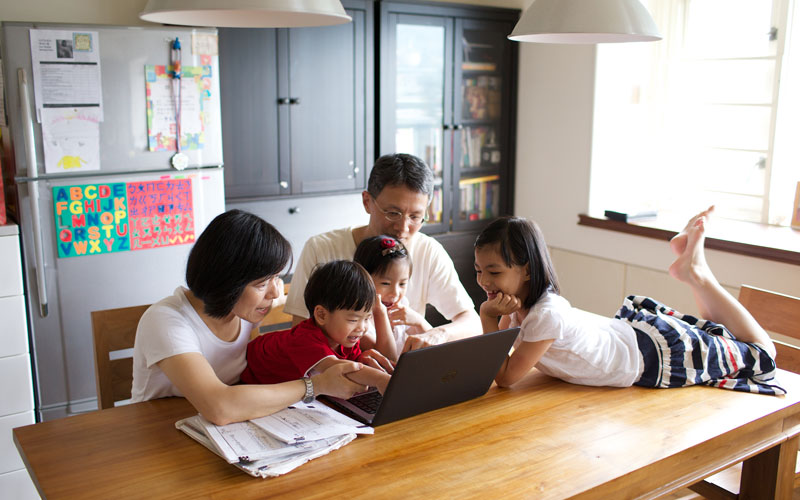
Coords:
pixel 481 86
pixel 415 104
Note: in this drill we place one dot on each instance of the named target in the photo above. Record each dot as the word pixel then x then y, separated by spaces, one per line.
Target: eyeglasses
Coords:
pixel 414 220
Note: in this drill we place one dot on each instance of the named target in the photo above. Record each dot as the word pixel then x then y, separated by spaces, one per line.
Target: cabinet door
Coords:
pixel 481 104
pixel 328 106
pixel 416 58
pixel 249 100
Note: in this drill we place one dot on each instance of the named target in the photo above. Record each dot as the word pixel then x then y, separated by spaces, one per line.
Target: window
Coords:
pixel 710 114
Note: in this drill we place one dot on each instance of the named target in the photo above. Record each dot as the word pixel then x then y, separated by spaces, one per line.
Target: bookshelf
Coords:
pixel 447 95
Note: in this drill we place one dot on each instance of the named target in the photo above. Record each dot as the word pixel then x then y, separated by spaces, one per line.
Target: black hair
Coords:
pixel 235 249
pixel 339 284
pixel 521 242
pixel 377 253
pixel 400 169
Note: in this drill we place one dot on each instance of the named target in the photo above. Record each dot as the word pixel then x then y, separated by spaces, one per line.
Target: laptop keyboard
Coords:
pixel 369 401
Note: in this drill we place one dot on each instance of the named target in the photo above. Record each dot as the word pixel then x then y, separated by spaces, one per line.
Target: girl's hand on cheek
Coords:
pixel 500 305
pixel 378 309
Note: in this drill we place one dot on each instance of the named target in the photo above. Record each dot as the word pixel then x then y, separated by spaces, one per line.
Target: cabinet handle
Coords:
pixel 284 184
pixel 294 210
pixel 459 127
pixel 294 100
pixel 446 126
pixel 283 100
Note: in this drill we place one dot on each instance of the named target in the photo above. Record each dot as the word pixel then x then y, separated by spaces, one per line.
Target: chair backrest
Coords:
pixel 777 313
pixel 114 330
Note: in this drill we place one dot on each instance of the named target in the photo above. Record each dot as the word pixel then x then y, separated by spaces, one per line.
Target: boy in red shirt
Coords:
pixel 340 296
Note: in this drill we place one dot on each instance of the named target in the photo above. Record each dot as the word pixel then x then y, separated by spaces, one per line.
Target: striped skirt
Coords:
pixel 681 350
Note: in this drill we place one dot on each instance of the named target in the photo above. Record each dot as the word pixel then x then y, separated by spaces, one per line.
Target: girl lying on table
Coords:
pixel 646 343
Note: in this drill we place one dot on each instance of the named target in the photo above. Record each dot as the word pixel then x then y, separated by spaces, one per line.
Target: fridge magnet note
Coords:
pixel 162 109
pixel 160 213
pixel 91 219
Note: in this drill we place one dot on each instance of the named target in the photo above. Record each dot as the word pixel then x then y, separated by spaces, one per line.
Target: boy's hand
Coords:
pixel 376 360
pixel 500 305
pixel 334 382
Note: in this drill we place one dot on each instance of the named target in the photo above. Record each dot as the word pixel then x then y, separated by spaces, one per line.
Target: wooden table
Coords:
pixel 542 439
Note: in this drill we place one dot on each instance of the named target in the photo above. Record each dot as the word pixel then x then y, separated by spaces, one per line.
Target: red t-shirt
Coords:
pixel 288 354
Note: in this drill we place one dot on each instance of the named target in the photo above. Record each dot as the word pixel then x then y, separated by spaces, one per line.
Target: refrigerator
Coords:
pixel 106 219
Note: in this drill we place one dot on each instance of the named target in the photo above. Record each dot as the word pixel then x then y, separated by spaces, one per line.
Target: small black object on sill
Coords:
pixel 626 217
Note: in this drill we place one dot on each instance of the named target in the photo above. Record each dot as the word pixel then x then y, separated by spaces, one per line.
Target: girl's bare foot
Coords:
pixel 690 266
pixel 678 242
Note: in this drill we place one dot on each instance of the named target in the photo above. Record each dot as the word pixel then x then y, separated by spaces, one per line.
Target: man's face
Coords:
pixel 395 199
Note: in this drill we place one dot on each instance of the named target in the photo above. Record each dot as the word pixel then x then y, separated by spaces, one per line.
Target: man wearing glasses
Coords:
pixel 397 197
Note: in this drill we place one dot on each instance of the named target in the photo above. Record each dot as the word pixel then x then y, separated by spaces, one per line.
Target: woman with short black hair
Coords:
pixel 193 343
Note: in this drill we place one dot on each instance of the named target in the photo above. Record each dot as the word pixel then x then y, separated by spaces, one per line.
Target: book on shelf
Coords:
pixel 473 140
pixel 478 66
pixel 479 197
pixel 276 444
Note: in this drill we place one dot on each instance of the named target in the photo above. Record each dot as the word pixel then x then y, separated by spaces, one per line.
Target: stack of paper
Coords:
pixel 273 445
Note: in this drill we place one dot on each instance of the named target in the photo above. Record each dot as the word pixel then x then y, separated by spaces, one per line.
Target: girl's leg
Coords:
pixel 714 302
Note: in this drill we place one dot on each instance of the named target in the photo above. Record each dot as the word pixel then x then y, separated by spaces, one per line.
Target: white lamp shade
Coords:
pixel 246 13
pixel 585 21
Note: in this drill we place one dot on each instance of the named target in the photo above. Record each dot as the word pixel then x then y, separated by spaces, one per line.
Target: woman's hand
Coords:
pixel 501 305
pixel 333 380
pixel 376 360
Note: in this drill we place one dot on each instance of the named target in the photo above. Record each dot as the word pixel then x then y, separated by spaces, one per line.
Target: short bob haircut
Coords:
pixel 235 249
pixel 377 253
pixel 400 169
pixel 339 284
pixel 521 242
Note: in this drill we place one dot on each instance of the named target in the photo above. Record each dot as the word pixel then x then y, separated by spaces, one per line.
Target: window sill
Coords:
pixel 776 243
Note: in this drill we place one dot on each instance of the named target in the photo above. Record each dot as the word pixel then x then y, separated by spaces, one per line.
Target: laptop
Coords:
pixel 431 378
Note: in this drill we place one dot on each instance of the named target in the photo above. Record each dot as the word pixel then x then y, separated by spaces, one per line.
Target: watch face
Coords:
pixel 309 396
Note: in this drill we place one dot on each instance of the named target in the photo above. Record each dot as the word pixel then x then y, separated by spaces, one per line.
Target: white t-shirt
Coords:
pixel 433 281
pixel 171 326
pixel 588 349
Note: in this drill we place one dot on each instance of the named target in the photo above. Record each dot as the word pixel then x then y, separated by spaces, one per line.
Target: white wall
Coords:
pixel 596 267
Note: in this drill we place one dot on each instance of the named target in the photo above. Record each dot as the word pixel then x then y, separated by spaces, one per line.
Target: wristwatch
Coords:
pixel 309 396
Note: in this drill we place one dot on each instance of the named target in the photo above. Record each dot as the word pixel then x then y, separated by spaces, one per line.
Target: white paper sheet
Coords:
pixel 66 69
pixel 307 422
pixel 71 139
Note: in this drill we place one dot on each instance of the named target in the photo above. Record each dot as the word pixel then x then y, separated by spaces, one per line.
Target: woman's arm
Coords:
pixel 524 357
pixel 223 404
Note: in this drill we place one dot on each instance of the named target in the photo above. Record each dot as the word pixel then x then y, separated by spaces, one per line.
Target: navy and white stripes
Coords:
pixel 681 350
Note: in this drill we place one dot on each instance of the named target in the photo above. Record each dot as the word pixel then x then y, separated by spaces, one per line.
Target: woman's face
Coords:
pixel 257 297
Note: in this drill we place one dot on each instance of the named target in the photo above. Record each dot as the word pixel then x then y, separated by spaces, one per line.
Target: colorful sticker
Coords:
pixel 94 219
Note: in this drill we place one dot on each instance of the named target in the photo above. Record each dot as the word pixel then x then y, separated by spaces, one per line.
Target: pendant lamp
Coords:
pixel 585 21
pixel 246 13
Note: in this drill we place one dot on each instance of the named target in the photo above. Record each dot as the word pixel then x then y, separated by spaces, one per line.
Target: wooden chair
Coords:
pixel 778 314
pixel 114 330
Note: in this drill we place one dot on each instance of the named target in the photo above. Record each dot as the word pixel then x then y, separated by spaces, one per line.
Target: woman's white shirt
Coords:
pixel 171 327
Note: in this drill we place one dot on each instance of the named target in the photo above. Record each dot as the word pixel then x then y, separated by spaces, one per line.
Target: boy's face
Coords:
pixel 343 327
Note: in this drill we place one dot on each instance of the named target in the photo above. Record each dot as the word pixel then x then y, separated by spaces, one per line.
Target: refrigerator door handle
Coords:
pixel 33 187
